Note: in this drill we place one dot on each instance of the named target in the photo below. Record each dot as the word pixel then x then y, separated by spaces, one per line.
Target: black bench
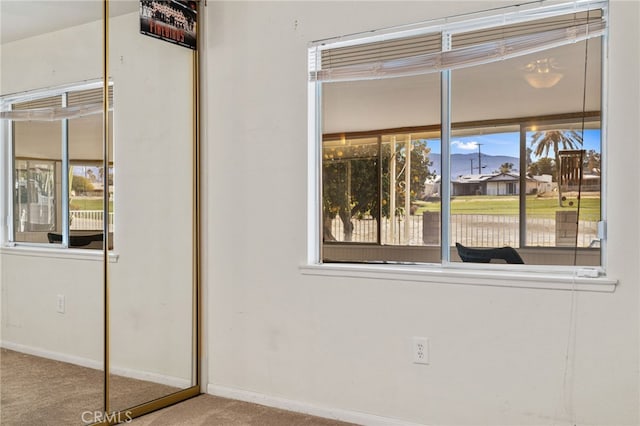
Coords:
pixel 75 240
pixel 485 255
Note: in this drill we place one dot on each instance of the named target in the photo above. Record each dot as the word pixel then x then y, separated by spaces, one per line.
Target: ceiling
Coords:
pixel 25 18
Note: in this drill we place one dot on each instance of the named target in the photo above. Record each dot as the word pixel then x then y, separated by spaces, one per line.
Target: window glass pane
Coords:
pixel 410 217
pixel 87 179
pixel 485 186
pixel 565 210
pixel 37 153
pixel 350 190
pixel 520 200
pixel 35 200
pixel 381 153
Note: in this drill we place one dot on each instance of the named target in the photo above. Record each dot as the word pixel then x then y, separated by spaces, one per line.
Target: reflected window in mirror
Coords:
pixel 59 179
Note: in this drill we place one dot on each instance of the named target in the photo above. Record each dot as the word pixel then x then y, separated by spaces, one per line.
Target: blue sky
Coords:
pixel 503 143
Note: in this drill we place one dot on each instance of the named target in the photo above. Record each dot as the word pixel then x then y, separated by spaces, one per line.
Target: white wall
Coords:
pixel 150 290
pixel 30 286
pixel 498 355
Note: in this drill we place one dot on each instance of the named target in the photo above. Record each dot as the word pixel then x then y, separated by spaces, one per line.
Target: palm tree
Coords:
pixel 506 167
pixel 544 141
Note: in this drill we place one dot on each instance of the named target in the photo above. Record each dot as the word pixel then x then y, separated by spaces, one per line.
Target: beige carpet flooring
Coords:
pixel 208 410
pixel 37 391
pixel 43 392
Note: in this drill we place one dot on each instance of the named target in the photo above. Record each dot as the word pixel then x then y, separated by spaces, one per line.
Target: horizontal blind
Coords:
pixel 90 96
pixel 562 22
pixel 518 45
pixel 48 102
pixel 381 51
pixel 468 48
pixel 80 103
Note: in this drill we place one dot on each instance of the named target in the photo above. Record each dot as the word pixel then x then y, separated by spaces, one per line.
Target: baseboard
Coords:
pixel 97 365
pixel 304 407
pixel 56 356
pixel 175 382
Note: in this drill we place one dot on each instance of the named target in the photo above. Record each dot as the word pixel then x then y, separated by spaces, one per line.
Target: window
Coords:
pixel 483 132
pixel 58 181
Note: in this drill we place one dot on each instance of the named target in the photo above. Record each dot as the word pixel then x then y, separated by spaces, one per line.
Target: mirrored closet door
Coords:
pixel 99 233
pixel 152 68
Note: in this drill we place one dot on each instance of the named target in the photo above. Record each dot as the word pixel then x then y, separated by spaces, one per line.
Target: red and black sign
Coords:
pixel 170 20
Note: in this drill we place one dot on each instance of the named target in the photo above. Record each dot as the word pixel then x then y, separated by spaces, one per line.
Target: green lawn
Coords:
pixel 88 203
pixel 508 205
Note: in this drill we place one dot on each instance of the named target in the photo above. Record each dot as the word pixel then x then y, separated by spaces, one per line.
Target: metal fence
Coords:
pixel 81 220
pixel 476 230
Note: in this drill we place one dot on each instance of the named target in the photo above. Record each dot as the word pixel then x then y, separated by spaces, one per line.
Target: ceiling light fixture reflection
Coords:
pixel 542 74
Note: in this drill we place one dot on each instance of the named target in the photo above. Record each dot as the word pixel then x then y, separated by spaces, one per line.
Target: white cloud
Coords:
pixel 467 146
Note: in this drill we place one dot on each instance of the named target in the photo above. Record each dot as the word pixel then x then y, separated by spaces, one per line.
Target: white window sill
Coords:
pixel 57 252
pixel 553 280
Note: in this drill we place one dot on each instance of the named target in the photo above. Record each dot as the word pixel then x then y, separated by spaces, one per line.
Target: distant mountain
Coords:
pixel 461 163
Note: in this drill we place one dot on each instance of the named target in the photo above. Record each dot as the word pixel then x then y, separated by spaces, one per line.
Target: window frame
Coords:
pixel 563 277
pixel 7 180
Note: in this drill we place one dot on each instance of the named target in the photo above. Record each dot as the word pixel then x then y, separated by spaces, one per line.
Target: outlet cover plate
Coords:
pixel 60 304
pixel 420 350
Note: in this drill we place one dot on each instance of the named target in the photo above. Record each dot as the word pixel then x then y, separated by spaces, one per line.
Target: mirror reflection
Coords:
pixel 151 284
pixel 56 181
pixel 51 151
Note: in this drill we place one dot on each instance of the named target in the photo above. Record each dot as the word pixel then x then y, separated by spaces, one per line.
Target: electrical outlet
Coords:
pixel 60 304
pixel 420 350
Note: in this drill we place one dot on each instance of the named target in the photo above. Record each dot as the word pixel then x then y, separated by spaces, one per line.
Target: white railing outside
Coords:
pixel 88 220
pixel 474 230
